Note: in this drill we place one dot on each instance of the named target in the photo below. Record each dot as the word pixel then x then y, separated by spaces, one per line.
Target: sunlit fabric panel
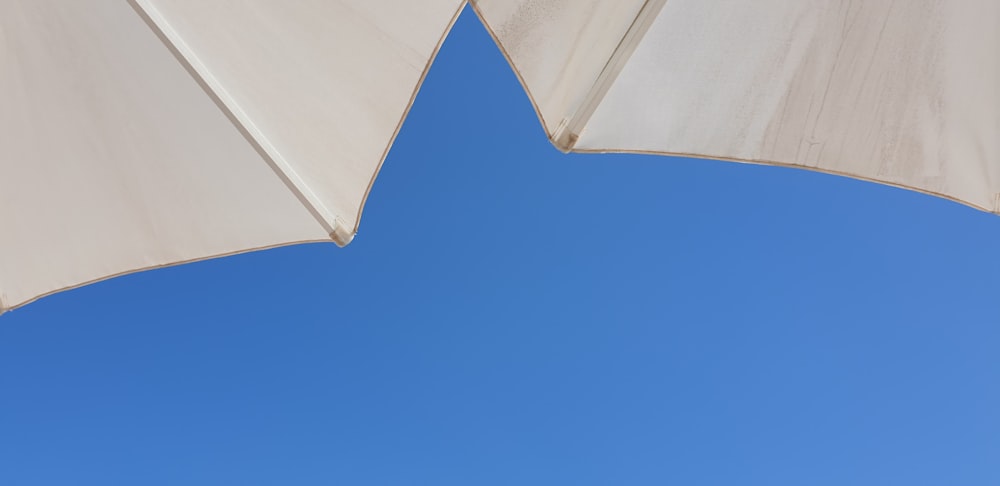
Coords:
pixel 904 93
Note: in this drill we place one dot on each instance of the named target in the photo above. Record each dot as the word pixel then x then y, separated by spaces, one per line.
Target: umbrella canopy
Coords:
pixel 144 133
pixel 903 93
pixel 153 132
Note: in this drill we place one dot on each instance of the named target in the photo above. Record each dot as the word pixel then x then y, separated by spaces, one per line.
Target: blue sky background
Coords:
pixel 510 315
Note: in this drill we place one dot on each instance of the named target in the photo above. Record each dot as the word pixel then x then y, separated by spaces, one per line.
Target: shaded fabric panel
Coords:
pixel 559 48
pixel 323 85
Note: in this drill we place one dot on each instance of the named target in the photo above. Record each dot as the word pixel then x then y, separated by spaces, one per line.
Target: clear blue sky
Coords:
pixel 509 315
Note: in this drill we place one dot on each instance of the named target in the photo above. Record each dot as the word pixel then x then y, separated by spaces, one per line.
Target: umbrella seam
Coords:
pixel 334 226
pixel 568 131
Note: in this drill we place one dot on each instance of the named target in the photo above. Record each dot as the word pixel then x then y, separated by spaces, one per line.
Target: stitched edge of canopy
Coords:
pixel 155 267
pixel 793 166
pixel 406 112
pixel 513 67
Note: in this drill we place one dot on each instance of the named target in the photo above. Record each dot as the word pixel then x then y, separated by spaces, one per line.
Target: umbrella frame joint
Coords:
pixel 567 134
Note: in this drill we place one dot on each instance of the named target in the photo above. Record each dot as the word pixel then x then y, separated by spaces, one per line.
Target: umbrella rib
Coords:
pixel 568 132
pixel 339 231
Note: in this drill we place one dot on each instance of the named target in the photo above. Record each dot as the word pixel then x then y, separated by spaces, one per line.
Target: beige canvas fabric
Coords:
pixel 141 133
pixel 905 93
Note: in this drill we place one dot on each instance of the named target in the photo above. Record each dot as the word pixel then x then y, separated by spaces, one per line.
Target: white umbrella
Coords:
pixel 143 133
pixel 153 132
pixel 905 93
